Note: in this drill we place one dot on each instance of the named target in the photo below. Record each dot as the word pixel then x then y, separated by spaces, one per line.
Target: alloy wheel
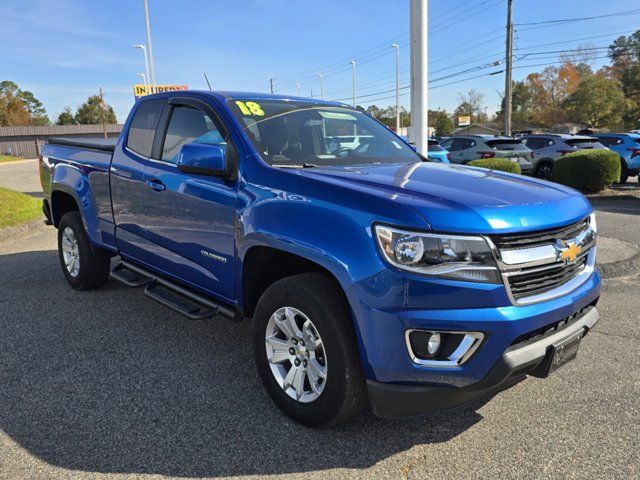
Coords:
pixel 296 354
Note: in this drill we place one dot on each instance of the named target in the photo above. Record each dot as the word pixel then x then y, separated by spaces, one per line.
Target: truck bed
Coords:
pixel 107 145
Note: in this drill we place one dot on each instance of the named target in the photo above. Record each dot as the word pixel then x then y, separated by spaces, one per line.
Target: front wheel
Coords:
pixel 84 267
pixel 624 171
pixel 305 350
pixel 545 171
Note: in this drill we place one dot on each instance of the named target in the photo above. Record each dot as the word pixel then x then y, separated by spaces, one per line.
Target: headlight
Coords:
pixel 446 256
pixel 592 222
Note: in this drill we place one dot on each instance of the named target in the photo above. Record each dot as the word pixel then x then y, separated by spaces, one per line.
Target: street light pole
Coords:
pixel 152 71
pixel 396 47
pixel 146 67
pixel 353 80
pixel 321 77
pixel 298 87
pixel 419 75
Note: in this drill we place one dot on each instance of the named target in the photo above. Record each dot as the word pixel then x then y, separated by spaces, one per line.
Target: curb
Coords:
pixel 621 268
pixel 621 196
pixel 9 234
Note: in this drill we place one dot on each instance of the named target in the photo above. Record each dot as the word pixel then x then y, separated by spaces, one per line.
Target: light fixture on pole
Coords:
pixel 353 80
pixel 321 77
pixel 144 81
pixel 146 67
pixel 298 87
pixel 396 47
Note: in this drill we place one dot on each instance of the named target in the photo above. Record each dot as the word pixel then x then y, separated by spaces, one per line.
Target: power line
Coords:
pixel 580 19
pixel 370 54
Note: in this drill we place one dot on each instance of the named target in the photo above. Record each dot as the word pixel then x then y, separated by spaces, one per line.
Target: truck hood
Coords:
pixel 454 198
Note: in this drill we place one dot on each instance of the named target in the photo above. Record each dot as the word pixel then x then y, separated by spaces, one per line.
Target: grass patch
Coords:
pixel 9 158
pixel 16 208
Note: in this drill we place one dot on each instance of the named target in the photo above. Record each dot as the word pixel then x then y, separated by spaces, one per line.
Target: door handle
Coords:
pixel 156 184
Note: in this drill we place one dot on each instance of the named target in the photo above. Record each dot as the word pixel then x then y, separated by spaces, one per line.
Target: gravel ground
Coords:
pixel 110 384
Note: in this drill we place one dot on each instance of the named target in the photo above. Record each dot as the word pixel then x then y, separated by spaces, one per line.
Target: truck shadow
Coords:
pixel 109 381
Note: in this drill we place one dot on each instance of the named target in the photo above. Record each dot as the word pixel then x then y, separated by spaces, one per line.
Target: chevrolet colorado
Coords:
pixel 372 275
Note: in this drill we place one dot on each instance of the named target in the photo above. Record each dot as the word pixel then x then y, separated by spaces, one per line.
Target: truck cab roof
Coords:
pixel 223 95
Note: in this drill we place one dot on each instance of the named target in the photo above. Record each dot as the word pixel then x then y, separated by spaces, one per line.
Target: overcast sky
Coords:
pixel 63 50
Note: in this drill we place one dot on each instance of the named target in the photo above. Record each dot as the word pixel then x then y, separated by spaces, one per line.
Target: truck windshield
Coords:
pixel 303 134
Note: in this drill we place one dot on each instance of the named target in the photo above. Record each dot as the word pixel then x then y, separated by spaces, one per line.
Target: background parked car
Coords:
pixel 464 148
pixel 547 148
pixel 437 152
pixel 627 145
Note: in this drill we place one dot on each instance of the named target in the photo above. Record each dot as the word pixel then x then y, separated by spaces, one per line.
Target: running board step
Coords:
pixel 130 278
pixel 172 295
pixel 179 303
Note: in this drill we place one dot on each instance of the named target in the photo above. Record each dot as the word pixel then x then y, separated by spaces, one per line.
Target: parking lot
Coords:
pixel 109 384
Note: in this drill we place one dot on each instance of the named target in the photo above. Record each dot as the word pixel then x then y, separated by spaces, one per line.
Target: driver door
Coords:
pixel 190 218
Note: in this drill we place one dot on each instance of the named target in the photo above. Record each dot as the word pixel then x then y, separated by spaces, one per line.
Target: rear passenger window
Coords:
pixel 143 126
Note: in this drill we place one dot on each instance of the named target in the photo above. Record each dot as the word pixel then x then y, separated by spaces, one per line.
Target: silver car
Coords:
pixel 465 148
pixel 547 148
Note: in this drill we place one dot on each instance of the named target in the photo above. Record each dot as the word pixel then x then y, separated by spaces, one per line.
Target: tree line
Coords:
pixel 568 93
pixel 20 107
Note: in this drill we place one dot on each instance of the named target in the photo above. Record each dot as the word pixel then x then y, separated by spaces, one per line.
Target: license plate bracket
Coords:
pixel 559 354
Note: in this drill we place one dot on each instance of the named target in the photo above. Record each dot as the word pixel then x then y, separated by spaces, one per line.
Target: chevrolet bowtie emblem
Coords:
pixel 569 253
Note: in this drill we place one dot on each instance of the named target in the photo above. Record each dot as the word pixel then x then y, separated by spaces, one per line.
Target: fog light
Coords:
pixel 441 349
pixel 433 345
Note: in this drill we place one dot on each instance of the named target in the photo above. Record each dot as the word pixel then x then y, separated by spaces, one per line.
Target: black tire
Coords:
pixel 624 171
pixel 95 264
pixel 544 170
pixel 320 298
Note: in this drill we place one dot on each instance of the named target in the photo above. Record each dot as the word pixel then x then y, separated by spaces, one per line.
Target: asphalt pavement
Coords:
pixel 21 175
pixel 110 384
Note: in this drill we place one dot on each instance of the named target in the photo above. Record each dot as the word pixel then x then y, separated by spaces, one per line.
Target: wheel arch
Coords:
pixel 264 264
pixel 62 201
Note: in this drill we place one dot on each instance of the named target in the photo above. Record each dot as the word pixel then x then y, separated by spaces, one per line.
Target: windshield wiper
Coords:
pixel 293 165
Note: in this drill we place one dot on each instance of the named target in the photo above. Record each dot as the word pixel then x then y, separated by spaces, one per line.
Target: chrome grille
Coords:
pixel 535 281
pixel 541 237
pixel 535 266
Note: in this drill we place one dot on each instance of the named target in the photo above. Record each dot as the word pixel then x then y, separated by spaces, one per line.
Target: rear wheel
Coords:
pixel 84 267
pixel 545 170
pixel 305 350
pixel 624 171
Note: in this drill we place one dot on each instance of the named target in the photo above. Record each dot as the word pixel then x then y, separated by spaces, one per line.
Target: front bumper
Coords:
pixel 526 358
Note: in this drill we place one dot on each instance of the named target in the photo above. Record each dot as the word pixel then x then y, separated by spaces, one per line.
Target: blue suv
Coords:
pixel 627 145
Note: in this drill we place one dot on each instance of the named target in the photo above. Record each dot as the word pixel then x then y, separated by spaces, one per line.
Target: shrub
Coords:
pixel 501 164
pixel 588 170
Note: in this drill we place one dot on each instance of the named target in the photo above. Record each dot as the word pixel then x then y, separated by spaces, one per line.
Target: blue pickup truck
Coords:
pixel 371 275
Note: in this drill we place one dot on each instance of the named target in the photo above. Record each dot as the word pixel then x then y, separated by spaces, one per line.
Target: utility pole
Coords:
pixel 396 47
pixel 152 70
pixel 271 84
pixel 321 77
pixel 298 87
pixel 104 125
pixel 419 75
pixel 353 80
pixel 507 80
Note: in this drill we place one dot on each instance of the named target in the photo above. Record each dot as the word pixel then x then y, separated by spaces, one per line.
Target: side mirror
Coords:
pixel 202 159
